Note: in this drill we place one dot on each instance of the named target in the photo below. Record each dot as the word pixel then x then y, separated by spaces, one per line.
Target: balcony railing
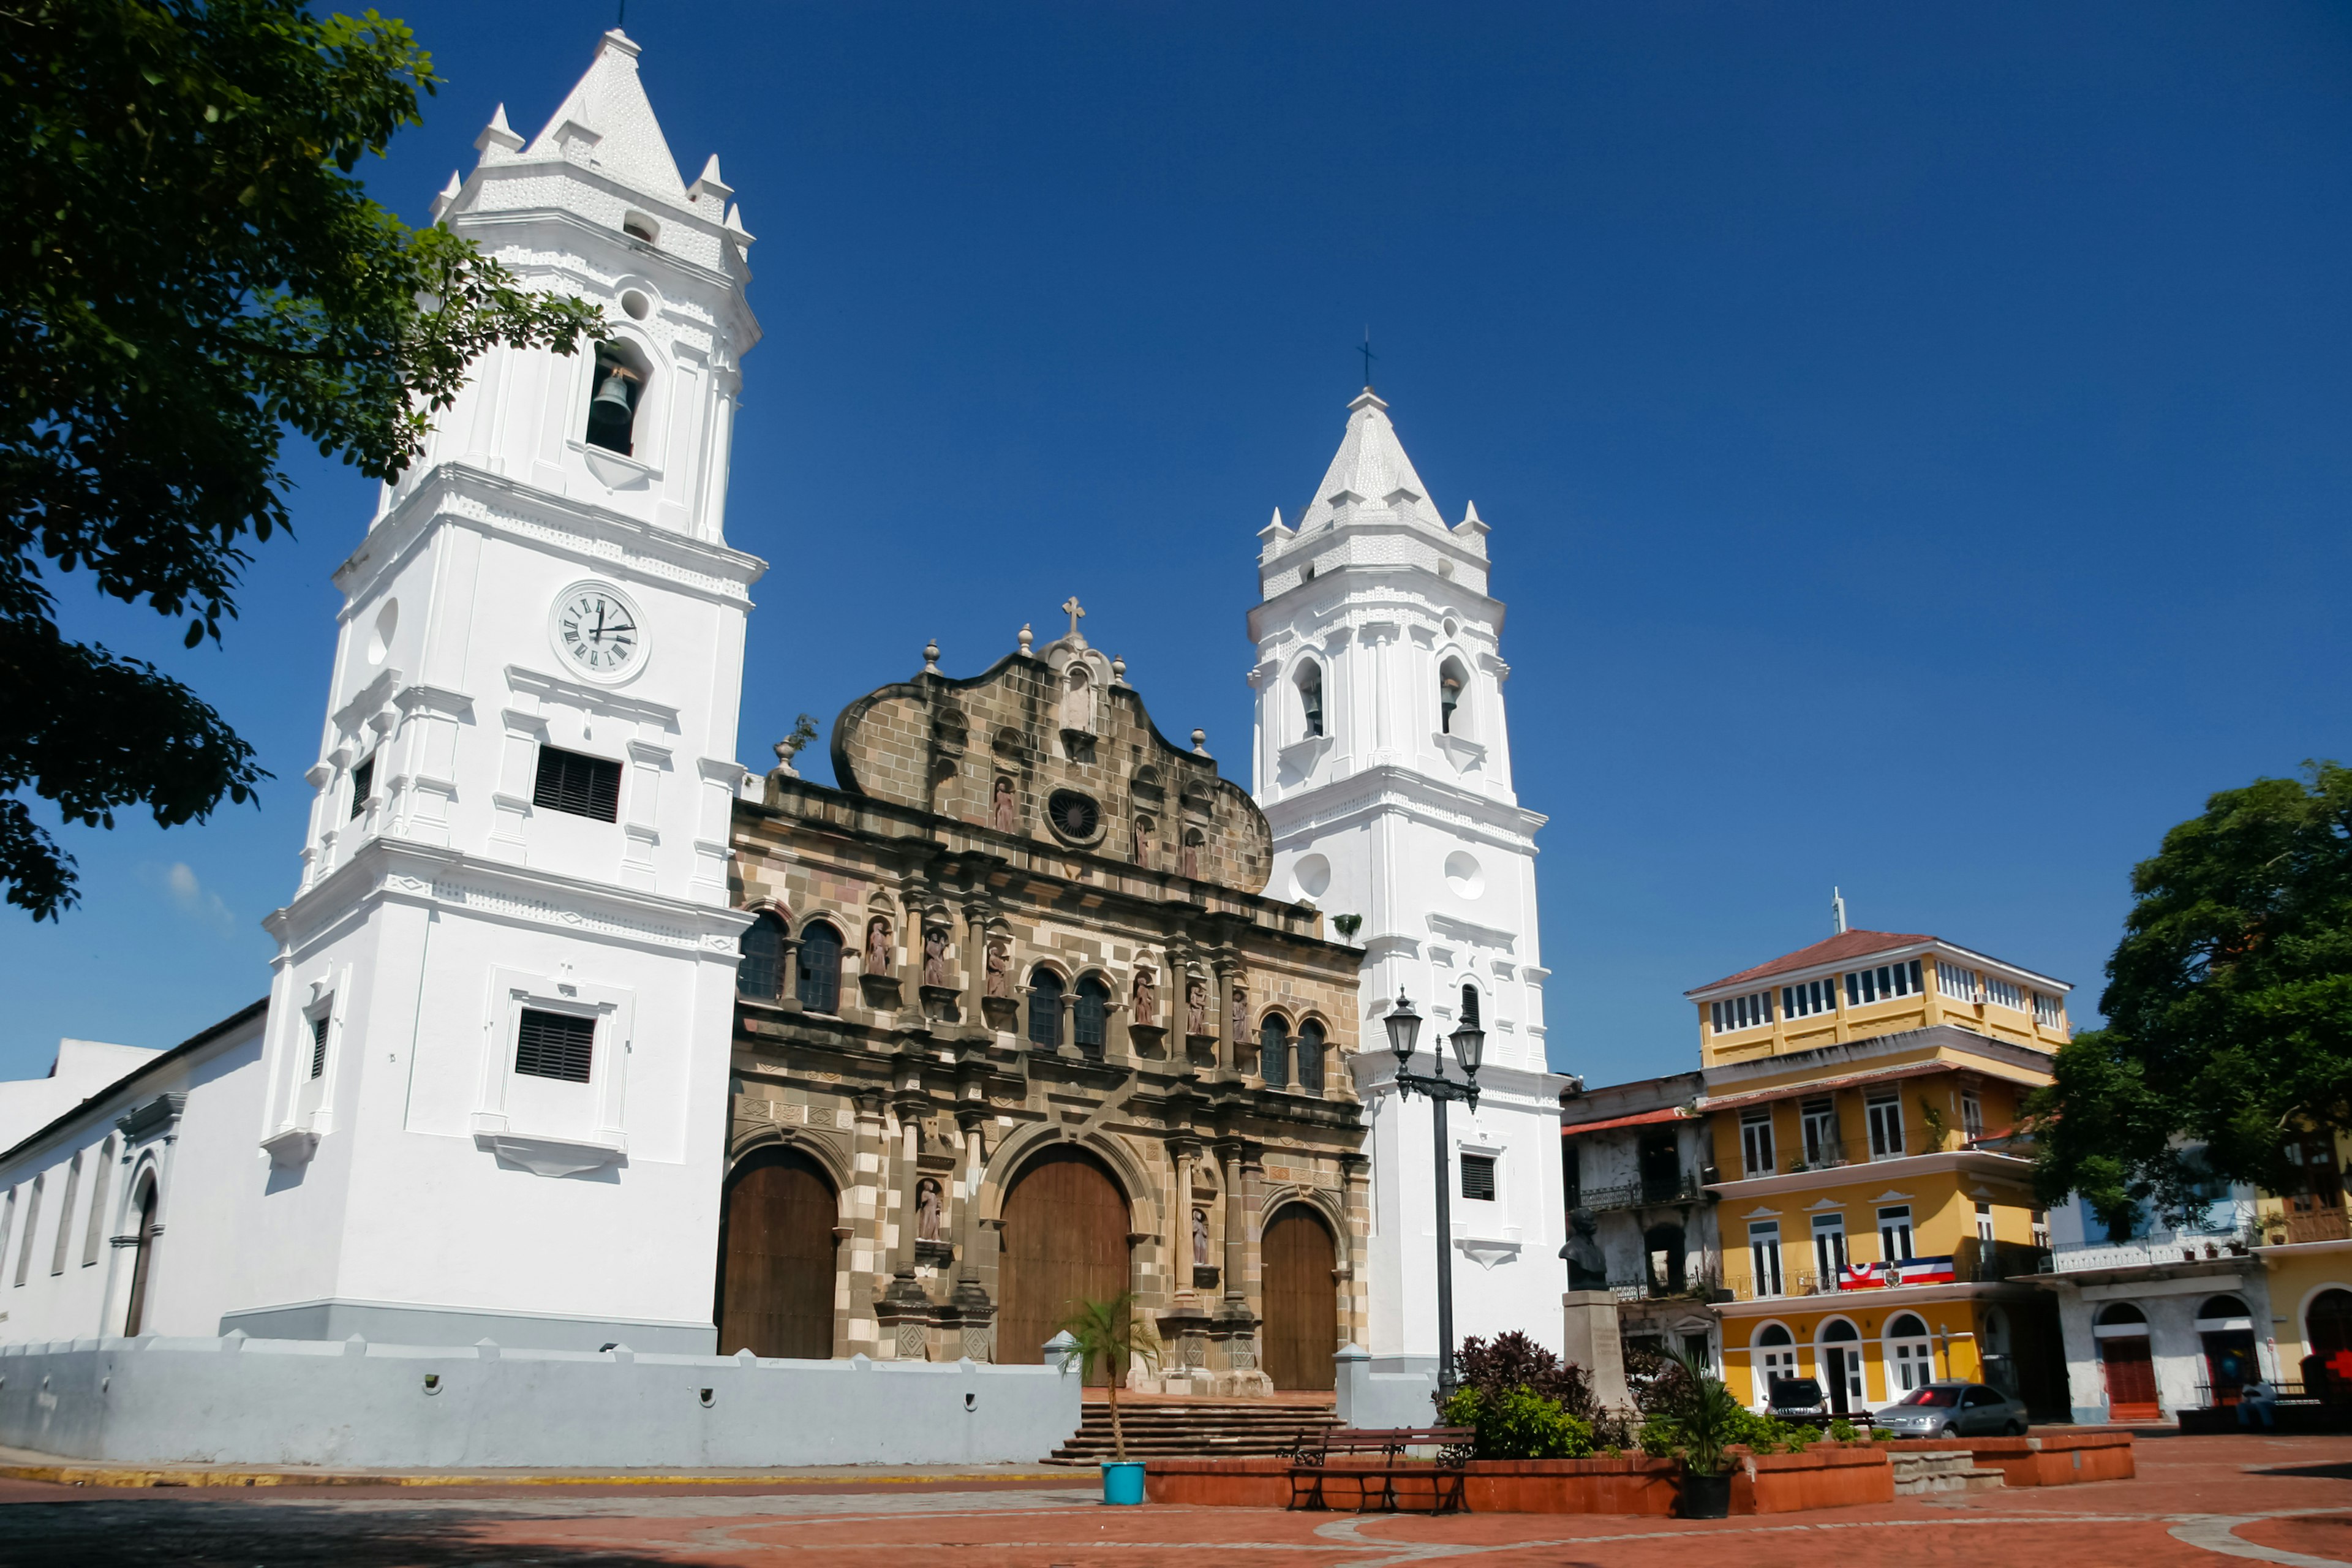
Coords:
pixel 2147 1251
pixel 1696 1285
pixel 1681 1189
pixel 1835 1153
pixel 1973 1262
pixel 2314 1225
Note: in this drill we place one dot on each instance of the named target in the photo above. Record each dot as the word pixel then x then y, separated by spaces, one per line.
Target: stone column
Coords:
pixel 1237 1248
pixel 1184 1153
pixel 1226 977
pixel 869 1212
pixel 905 1309
pixel 975 967
pixel 1253 1197
pixel 974 1312
pixel 789 991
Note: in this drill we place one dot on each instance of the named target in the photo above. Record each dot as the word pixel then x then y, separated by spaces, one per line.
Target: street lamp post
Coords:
pixel 1470 1045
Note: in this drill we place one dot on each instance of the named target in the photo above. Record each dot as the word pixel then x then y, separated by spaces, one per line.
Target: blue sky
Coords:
pixel 1917 439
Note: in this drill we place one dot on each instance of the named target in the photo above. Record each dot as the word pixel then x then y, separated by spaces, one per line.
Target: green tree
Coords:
pixel 197 273
pixel 2229 1009
pixel 1107 1334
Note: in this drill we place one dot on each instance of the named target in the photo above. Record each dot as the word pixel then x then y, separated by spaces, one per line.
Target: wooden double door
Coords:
pixel 1300 1265
pixel 777 1268
pixel 1065 1243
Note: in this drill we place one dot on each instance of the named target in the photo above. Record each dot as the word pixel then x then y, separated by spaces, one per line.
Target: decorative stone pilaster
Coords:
pixel 905 1310
pixel 1232 1331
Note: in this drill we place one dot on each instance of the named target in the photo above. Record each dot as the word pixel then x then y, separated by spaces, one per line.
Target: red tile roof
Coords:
pixel 1845 945
pixel 1639 1119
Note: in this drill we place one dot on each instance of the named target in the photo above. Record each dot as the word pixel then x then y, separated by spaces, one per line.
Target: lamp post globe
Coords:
pixel 1404 1029
pixel 1470 1045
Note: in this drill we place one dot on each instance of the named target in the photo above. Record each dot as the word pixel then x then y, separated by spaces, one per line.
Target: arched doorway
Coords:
pixel 142 1263
pixel 1302 1298
pixel 1774 1357
pixel 1910 1355
pixel 2327 1338
pixel 1066 1229
pixel 2122 1335
pixel 1839 1355
pixel 2225 1328
pixel 776 1265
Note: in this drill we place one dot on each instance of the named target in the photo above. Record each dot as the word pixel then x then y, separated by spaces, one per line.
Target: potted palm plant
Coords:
pixel 1109 1333
pixel 1706 1417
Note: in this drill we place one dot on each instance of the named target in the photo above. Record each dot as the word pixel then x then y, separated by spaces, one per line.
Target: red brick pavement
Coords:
pixel 2196 1501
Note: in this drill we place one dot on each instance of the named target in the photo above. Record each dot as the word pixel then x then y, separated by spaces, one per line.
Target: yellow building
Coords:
pixel 2305 1246
pixel 1860 1094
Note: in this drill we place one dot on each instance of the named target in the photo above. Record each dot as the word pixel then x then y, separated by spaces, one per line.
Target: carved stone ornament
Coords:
pixel 1196 1006
pixel 1000 805
pixel 878 946
pixel 928 1204
pixel 1146 996
pixel 1200 1238
pixel 935 955
pixel 999 967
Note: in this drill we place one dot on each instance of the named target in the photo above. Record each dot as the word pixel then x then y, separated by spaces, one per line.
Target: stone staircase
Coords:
pixel 1192 1429
pixel 1956 1471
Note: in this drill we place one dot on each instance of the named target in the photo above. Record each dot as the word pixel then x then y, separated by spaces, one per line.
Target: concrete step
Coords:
pixel 1957 1470
pixel 1190 1431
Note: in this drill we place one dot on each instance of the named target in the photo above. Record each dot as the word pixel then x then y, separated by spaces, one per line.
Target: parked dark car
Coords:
pixel 1954 1410
pixel 1798 1399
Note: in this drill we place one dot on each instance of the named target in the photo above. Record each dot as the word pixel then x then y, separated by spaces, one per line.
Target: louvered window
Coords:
pixel 318 1046
pixel 555 1045
pixel 580 786
pixel 362 785
pixel 820 983
pixel 1479 1177
pixel 1311 1057
pixel 1045 1009
pixel 1090 1019
pixel 1274 1052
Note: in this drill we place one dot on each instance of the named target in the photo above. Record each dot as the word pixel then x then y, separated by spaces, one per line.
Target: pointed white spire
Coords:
pixel 711 186
pixel 448 196
pixel 1370 470
pixel 498 139
pixel 607 122
pixel 1274 531
pixel 735 229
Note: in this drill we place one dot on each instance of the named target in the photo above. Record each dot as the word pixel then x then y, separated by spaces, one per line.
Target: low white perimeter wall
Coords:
pixel 1384 1393
pixel 311 1402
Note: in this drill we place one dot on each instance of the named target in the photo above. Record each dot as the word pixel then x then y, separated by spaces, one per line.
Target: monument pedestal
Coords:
pixel 1588 1336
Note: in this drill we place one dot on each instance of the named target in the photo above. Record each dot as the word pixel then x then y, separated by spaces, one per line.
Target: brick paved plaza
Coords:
pixel 2196 1500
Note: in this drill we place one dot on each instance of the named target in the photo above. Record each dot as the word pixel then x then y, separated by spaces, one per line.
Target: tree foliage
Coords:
pixel 197 272
pixel 2229 1007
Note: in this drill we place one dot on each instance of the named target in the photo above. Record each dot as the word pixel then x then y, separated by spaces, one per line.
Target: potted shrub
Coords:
pixel 1701 1419
pixel 1108 1334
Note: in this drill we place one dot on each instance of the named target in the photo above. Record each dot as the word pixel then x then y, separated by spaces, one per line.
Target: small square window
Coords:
pixel 1479 1177
pixel 555 1045
pixel 580 786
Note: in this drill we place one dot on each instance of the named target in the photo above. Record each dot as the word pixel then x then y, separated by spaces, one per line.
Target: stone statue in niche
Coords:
pixel 1588 1266
pixel 1145 995
pixel 926 1210
pixel 935 955
pixel 1241 1009
pixel 999 967
pixel 1196 1006
pixel 1000 809
pixel 1142 841
pixel 878 946
pixel 1200 1238
pixel 1191 866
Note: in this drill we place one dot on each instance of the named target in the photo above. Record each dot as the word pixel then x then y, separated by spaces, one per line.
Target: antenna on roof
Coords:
pixel 1837 912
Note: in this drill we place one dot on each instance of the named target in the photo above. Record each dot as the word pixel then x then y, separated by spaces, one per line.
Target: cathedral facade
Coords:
pixel 1017 1028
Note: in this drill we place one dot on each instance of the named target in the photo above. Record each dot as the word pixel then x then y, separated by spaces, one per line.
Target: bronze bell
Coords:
pixel 610 413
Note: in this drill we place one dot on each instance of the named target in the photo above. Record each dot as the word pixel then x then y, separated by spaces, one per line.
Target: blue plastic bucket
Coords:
pixel 1123 1483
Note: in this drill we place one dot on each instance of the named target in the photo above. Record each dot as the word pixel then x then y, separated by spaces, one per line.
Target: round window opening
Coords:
pixel 1073 816
pixel 635 304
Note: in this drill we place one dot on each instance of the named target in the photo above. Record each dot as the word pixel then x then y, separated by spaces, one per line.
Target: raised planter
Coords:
pixel 1825 1476
pixel 2055 1459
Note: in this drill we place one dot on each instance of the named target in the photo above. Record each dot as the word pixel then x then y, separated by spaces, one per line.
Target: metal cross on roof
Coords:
pixel 1071 608
pixel 1369 357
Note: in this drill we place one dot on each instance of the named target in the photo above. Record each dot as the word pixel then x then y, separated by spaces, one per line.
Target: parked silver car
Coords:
pixel 1954 1410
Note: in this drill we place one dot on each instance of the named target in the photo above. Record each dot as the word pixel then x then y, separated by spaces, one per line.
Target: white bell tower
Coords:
pixel 500 1020
pixel 1383 763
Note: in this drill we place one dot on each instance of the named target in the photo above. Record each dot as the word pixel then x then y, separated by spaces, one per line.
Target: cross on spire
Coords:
pixel 1071 607
pixel 1369 357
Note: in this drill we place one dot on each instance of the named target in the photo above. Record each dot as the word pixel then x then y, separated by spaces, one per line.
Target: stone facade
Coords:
pixel 1017 858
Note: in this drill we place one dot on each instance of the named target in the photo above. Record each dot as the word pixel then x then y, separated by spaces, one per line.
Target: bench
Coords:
pixel 1311 1464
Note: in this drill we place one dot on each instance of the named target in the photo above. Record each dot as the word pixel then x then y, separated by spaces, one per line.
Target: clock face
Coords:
pixel 596 629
